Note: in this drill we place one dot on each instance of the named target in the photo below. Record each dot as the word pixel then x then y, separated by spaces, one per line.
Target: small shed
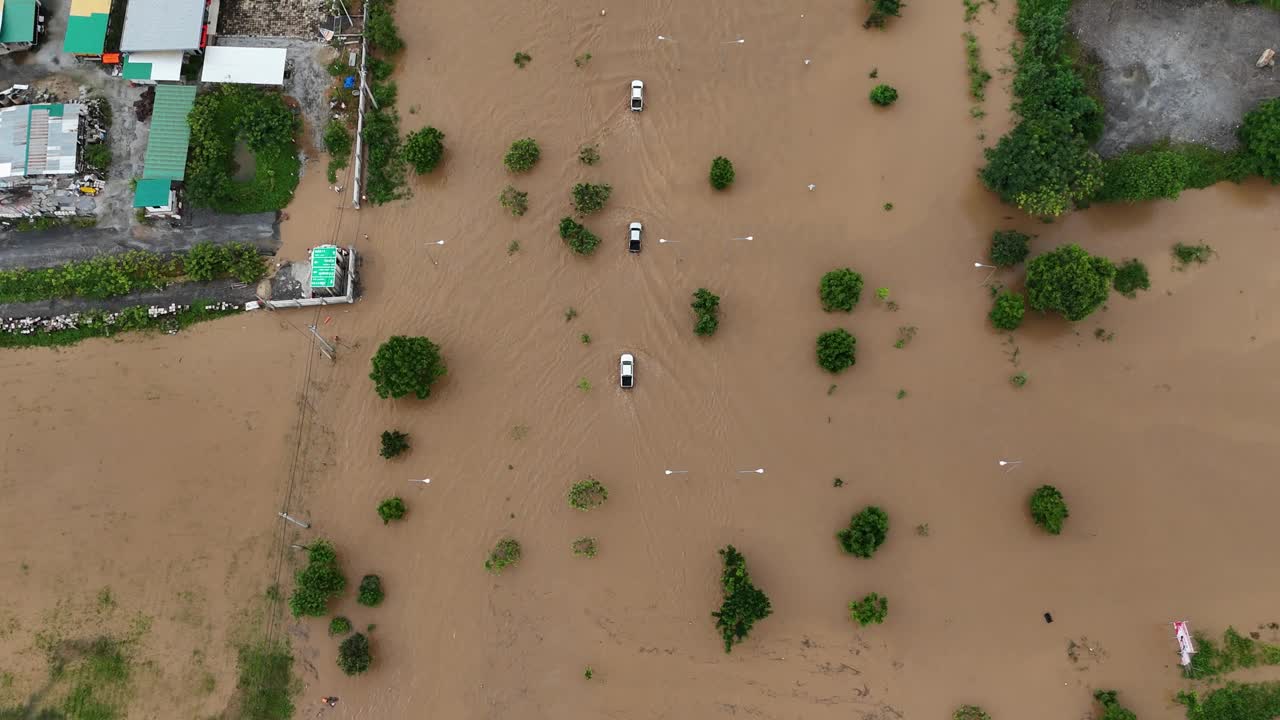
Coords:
pixel 152 193
pixel 244 65
pixel 151 66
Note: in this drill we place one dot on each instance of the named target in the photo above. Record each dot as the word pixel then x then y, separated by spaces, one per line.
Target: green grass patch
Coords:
pixel 260 119
pixel 1235 701
pixel 266 685
pixel 103 324
pixel 1234 653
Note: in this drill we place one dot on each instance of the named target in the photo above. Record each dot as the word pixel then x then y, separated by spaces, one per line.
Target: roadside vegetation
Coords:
pixel 589 198
pixel 107 276
pixel 232 114
pixel 107 324
pixel 354 655
pixel 744 604
pixel 338 143
pixel 385 178
pixel 406 365
pixel 706 306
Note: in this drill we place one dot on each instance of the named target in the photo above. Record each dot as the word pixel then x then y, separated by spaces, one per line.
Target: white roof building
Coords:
pixel 244 65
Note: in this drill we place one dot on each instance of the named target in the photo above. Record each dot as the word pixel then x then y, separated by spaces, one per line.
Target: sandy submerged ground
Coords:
pixel 153 465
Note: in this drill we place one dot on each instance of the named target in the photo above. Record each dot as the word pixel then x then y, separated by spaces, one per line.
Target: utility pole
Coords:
pixel 325 348
pixel 297 522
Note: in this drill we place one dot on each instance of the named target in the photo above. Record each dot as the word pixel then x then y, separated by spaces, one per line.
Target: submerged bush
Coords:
pixel 707 306
pixel 423 149
pixel 318 582
pixel 578 237
pixel 836 350
pixel 1111 707
pixel 970 712
pixel 1009 247
pixel 1069 281
pixel 587 494
pixel 722 173
pixel 394 442
pixel 870 610
pixel 505 554
pixel 840 289
pixel 393 508
pixel 883 95
pixel 589 198
pixel 515 201
pixel 867 531
pixel 370 594
pixel 522 155
pixel 881 11
pixel 339 626
pixel 744 604
pixel 406 365
pixel 354 656
pixel 1131 277
pixel 1048 509
pixel 1007 311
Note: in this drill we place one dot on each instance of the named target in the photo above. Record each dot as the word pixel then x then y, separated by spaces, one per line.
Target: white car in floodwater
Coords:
pixel 627 371
pixel 637 96
pixel 633 237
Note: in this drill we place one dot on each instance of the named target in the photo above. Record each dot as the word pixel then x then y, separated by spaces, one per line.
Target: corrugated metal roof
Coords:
pixel 17 21
pixel 86 34
pixel 39 139
pixel 162 25
pixel 152 193
pixel 170 133
pixel 246 65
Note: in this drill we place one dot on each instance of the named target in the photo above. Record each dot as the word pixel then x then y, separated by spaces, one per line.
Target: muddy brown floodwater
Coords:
pixel 1162 439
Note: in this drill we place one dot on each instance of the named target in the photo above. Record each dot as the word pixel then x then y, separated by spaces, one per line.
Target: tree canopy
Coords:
pixel 744 603
pixel 406 365
pixel 1069 281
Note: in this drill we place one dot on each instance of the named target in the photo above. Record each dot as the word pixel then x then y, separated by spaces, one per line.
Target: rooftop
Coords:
pixel 153 65
pixel 152 193
pixel 246 65
pixel 162 25
pixel 17 21
pixel 87 27
pixel 39 140
pixel 166 156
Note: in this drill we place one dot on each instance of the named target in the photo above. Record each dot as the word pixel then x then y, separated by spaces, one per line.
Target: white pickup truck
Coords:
pixel 627 371
pixel 633 237
pixel 637 96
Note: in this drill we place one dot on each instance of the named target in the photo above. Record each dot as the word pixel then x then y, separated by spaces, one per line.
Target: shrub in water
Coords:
pixel 316 583
pixel 1008 310
pixel 579 239
pixel 883 95
pixel 1131 277
pixel 394 442
pixel 587 494
pixel 881 11
pixel 423 149
pixel 1048 509
pixel 589 198
pixel 836 350
pixel 870 610
pixel 516 202
pixel 505 554
pixel 1111 707
pixel 584 547
pixel 522 155
pixel 840 290
pixel 370 594
pixel 406 365
pixel 1009 247
pixel 339 626
pixel 866 532
pixel 970 712
pixel 721 173
pixel 391 509
pixel 1070 281
pixel 707 306
pixel 353 655
pixel 744 603
pixel 589 154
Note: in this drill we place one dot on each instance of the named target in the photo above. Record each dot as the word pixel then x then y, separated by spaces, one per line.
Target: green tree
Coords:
pixel 1048 509
pixel 353 655
pixel 423 149
pixel 881 11
pixel 1043 166
pixel 1149 175
pixel 577 237
pixel 264 120
pixel 1009 247
pixel 589 198
pixel 744 604
pixel 1260 133
pixel 870 610
pixel 1131 277
pixel 867 531
pixel 370 593
pixel 505 554
pixel 840 289
pixel 883 95
pixel 722 173
pixel 393 508
pixel 318 582
pixel 406 365
pixel 522 155
pixel 836 350
pixel 381 29
pixel 1111 707
pixel 1007 312
pixel 337 139
pixel 206 261
pixel 706 305
pixel 587 494
pixel 394 442
pixel 1069 281
pixel 339 626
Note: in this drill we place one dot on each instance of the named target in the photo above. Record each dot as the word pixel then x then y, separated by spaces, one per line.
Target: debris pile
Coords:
pixel 75 321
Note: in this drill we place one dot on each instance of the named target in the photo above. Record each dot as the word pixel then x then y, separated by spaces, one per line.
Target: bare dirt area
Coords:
pixel 1180 70
pixel 1161 438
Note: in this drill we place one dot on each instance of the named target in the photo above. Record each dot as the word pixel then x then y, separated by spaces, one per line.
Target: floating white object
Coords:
pixel 1009 463
pixel 758 471
pixel 807 61
pixel 674 472
pixel 1182 631
pixel 811 187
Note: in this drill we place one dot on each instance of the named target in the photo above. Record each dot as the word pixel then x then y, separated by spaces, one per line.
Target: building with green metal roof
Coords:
pixel 166 156
pixel 87 27
pixel 18 24
pixel 153 193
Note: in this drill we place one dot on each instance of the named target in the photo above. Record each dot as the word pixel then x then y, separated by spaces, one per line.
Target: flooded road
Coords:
pixel 1161 439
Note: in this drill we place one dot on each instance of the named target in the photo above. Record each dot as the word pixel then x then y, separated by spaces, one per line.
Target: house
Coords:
pixel 87 27
pixel 20 25
pixel 38 141
pixel 157 36
pixel 166 158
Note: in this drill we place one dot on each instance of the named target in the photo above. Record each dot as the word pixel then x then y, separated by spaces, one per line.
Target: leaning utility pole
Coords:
pixel 358 174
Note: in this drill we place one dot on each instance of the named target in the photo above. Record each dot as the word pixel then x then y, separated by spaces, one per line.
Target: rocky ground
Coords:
pixel 1181 70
